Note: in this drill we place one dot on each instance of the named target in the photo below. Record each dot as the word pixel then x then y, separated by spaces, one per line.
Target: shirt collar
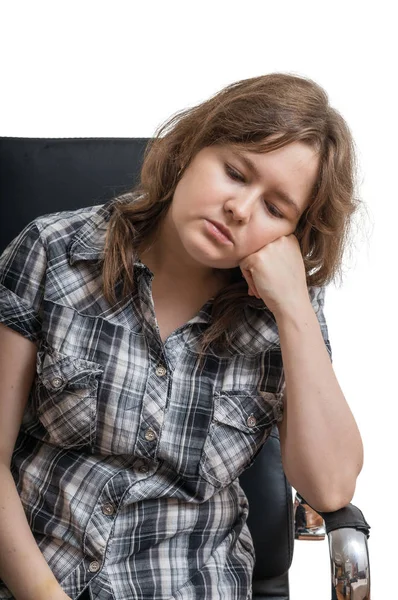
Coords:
pixel 89 241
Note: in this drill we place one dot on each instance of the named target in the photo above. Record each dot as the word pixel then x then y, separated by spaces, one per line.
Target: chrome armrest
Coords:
pixel 349 557
pixel 349 563
pixel 347 533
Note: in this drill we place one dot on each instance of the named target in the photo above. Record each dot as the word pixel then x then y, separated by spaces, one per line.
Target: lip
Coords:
pixel 224 230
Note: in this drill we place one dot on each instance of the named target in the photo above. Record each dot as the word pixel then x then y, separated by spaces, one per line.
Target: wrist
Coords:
pixel 296 313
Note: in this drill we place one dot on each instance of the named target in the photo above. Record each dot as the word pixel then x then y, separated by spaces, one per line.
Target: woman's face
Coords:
pixel 251 201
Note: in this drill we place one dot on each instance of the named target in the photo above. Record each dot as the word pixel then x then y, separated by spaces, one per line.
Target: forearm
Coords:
pixel 320 443
pixel 23 567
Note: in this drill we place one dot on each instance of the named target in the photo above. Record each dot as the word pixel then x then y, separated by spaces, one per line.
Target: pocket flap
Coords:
pixel 247 411
pixel 57 371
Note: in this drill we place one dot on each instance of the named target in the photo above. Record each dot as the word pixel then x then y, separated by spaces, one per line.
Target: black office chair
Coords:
pixel 41 176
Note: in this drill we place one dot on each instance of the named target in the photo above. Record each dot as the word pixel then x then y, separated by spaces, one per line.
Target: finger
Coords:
pixel 249 287
pixel 250 282
pixel 253 286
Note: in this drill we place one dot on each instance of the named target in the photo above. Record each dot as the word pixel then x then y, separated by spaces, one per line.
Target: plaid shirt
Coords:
pixel 129 453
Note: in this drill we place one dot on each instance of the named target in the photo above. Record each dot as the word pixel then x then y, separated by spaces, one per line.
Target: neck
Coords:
pixel 169 261
pixel 169 268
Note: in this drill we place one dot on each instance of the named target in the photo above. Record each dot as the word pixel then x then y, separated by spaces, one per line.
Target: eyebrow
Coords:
pixel 278 192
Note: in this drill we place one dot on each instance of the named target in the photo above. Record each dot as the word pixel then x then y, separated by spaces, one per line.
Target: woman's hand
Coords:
pixel 276 274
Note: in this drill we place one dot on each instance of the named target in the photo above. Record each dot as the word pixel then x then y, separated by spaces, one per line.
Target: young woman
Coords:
pixel 149 345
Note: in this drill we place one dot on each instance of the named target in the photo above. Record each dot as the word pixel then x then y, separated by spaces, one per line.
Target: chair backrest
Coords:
pixel 41 176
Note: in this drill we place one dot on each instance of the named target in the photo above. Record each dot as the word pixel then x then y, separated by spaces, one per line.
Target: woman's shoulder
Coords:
pixel 70 220
pixel 56 238
pixel 79 232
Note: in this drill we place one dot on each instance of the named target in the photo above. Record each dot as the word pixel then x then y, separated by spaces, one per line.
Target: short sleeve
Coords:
pixel 22 274
pixel 317 296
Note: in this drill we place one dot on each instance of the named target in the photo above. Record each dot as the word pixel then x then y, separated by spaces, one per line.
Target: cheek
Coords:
pixel 193 194
pixel 267 233
pixel 260 236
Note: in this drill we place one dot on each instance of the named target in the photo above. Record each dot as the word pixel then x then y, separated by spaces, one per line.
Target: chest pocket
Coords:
pixel 65 394
pixel 242 421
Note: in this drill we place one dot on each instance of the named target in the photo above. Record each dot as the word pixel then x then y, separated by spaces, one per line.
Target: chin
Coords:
pixel 208 254
pixel 215 263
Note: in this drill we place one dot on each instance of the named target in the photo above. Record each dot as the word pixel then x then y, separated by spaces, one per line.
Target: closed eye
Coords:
pixel 273 210
pixel 236 176
pixel 233 174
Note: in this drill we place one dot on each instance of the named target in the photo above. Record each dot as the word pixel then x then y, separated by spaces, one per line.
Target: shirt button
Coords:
pixel 94 566
pixel 108 509
pixel 251 421
pixel 160 371
pixel 143 469
pixel 56 382
pixel 150 435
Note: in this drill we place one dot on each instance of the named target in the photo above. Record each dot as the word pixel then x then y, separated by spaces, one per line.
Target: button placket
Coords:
pixel 152 409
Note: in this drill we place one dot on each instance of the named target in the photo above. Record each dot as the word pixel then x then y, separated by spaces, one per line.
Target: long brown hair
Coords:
pixel 245 113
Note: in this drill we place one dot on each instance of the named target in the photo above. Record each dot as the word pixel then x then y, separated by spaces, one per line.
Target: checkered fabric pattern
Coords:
pixel 130 449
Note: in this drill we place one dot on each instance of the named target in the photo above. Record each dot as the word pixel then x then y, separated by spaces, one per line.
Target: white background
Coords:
pixel 119 69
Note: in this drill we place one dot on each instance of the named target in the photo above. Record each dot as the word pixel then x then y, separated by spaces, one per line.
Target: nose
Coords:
pixel 241 206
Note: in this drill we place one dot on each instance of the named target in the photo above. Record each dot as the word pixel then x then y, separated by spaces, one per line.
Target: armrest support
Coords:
pixel 347 532
pixel 349 563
